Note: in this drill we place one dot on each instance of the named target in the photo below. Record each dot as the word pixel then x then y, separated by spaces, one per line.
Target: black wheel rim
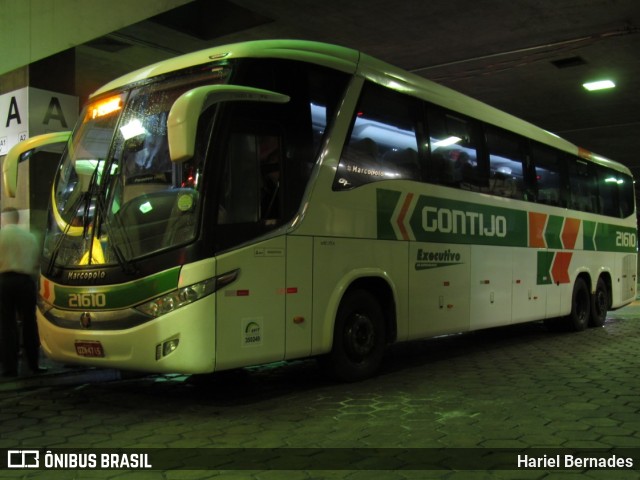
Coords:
pixel 359 337
pixel 582 307
pixel 601 303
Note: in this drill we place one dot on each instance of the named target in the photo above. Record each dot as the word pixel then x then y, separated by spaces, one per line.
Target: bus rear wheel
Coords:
pixel 358 338
pixel 599 304
pixel 580 314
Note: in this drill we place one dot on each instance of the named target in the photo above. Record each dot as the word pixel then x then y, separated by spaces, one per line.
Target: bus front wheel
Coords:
pixel 358 338
pixel 580 314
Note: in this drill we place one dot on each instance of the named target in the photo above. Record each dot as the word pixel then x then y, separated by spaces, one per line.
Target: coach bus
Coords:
pixel 276 200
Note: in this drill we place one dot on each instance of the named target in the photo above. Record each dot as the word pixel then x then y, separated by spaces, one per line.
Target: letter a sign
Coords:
pixel 31 111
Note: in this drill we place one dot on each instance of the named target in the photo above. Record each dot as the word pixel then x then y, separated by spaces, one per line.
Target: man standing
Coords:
pixel 19 258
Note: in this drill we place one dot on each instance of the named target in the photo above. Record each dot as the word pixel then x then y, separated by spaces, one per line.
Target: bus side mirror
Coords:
pixel 17 152
pixel 182 121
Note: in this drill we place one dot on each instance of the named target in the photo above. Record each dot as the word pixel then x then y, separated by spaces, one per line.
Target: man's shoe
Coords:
pixel 10 373
pixel 39 370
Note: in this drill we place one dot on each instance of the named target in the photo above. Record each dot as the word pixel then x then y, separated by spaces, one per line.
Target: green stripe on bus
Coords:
pixel 553 230
pixel 386 201
pixel 545 259
pixel 611 238
pixel 113 297
pixel 442 220
pixel 588 232
pixel 453 221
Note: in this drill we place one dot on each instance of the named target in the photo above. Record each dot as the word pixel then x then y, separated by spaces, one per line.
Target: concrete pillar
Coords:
pixel 38 98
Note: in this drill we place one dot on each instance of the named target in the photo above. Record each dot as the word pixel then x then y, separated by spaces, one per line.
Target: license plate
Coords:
pixel 89 349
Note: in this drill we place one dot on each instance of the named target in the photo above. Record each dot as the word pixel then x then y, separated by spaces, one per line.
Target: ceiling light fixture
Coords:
pixel 599 85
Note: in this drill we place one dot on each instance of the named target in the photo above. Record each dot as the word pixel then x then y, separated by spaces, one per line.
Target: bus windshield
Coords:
pixel 117 195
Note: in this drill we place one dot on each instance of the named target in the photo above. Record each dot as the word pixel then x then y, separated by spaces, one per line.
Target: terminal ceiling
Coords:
pixel 529 57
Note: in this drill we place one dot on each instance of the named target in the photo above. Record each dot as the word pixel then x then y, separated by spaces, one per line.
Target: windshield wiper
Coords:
pixel 102 218
pixel 84 201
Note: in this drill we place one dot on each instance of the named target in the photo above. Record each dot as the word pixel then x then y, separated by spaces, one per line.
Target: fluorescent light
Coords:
pixel 599 85
pixel 446 142
pixel 614 180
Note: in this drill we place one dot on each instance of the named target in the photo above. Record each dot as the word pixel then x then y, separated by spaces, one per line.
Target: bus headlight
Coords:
pixel 184 296
pixel 178 298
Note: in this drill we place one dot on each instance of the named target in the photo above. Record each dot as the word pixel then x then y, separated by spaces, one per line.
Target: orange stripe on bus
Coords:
pixel 570 232
pixel 560 268
pixel 403 214
pixel 584 153
pixel 47 289
pixel 537 221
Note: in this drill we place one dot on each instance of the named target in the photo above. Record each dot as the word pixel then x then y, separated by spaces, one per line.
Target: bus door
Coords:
pixel 250 311
pixel 268 151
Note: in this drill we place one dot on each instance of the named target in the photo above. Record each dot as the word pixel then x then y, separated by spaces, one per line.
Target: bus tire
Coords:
pixel 358 337
pixel 599 304
pixel 580 314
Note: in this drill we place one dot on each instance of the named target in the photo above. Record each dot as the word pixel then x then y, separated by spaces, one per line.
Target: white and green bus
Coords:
pixel 277 200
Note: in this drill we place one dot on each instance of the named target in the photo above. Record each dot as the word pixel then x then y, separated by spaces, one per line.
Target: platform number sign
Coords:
pixel 31 111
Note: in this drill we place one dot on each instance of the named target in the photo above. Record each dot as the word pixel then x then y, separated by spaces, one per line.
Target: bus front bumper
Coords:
pixel 182 341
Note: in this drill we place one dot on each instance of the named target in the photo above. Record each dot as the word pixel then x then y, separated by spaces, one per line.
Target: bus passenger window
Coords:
pixel 615 190
pixel 383 143
pixel 608 192
pixel 506 156
pixel 547 165
pixel 626 196
pixel 582 186
pixel 453 154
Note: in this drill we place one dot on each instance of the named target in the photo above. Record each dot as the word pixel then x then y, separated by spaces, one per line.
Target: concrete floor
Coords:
pixel 460 407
